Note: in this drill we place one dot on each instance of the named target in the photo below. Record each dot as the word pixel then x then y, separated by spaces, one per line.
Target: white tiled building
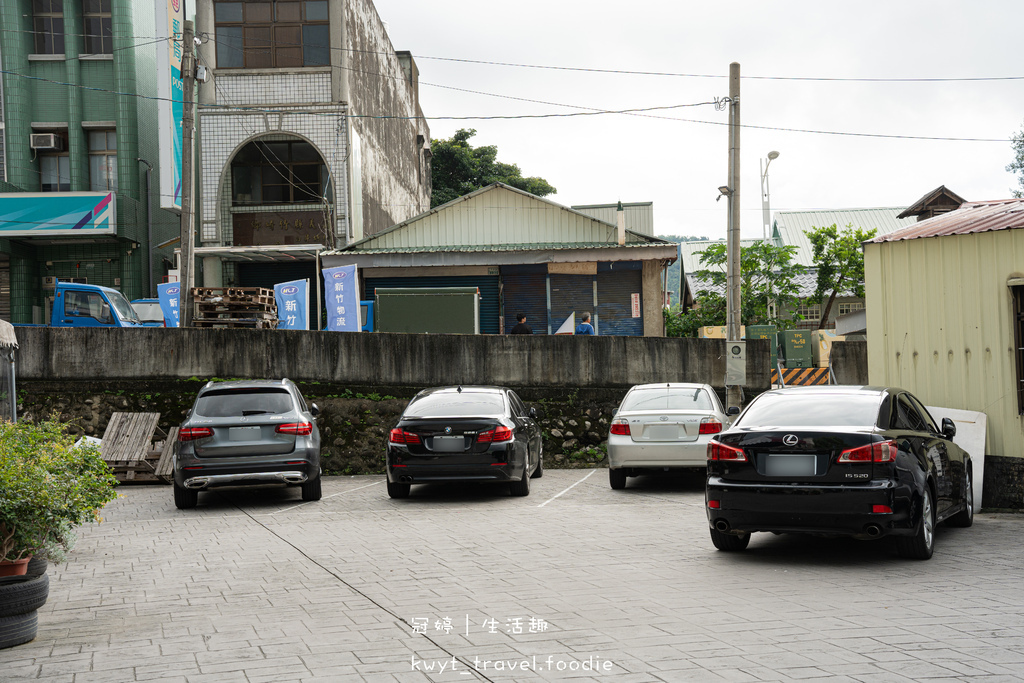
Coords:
pixel 310 133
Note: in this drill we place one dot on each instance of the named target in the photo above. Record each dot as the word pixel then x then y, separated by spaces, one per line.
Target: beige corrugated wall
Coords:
pixel 939 316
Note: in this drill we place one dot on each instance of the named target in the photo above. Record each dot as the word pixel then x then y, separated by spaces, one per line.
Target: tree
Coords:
pixel 766 288
pixel 1017 165
pixel 458 168
pixel 840 262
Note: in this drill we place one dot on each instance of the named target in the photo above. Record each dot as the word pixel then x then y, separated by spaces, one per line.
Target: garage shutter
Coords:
pixel 488 285
pixel 570 294
pixel 524 290
pixel 616 283
pixel 270 274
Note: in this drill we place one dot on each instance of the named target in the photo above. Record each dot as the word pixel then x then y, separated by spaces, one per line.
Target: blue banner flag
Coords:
pixel 170 296
pixel 341 296
pixel 292 305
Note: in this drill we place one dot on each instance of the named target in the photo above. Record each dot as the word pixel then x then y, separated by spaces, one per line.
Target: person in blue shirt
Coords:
pixel 585 327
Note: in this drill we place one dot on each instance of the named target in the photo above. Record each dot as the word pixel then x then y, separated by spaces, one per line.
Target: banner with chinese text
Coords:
pixel 292 305
pixel 170 296
pixel 341 297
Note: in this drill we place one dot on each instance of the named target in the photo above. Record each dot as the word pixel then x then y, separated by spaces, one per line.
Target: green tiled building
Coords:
pixel 80 116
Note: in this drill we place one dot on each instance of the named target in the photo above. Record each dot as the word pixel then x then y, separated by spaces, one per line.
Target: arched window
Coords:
pixel 279 172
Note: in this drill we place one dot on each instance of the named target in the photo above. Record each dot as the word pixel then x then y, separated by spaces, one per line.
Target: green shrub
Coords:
pixel 48 487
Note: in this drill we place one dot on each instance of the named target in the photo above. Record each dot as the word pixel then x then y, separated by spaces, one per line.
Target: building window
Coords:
pixel 102 160
pixel 99 36
pixel 48 26
pixel 1018 338
pixel 810 315
pixel 55 173
pixel 280 33
pixel 850 308
pixel 287 172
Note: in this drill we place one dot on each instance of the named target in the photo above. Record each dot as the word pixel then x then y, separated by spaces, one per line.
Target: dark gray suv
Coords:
pixel 247 433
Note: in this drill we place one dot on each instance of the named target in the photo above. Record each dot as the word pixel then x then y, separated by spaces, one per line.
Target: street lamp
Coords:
pixel 765 208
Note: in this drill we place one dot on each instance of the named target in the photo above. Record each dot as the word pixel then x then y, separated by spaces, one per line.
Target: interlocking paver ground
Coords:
pixel 256 586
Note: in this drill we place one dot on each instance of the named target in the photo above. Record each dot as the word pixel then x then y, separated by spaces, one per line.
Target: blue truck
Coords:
pixel 80 305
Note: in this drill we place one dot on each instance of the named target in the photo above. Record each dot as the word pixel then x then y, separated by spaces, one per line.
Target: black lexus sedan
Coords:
pixel 865 462
pixel 474 433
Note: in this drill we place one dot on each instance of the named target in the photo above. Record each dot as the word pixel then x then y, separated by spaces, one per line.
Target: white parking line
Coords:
pixel 289 509
pixel 566 490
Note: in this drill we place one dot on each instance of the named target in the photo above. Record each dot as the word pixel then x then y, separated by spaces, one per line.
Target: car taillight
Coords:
pixel 193 433
pixel 710 425
pixel 296 428
pixel 880 451
pixel 719 451
pixel 402 436
pixel 496 435
pixel 620 427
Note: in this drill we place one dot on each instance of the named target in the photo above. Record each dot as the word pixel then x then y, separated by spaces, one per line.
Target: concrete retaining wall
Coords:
pixel 370 360
pixel 850 362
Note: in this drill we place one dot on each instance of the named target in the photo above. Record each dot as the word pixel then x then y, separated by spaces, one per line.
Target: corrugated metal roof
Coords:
pixel 806 284
pixel 1003 214
pixel 493 218
pixel 639 215
pixel 789 226
pixel 456 248
pixel 691 257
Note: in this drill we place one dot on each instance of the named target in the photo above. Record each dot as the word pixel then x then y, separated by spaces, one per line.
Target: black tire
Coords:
pixel 521 487
pixel 965 517
pixel 18 629
pixel 311 489
pixel 921 545
pixel 23 596
pixel 185 499
pixel 617 479
pixel 729 542
pixel 37 566
pixel 398 490
pixel 539 472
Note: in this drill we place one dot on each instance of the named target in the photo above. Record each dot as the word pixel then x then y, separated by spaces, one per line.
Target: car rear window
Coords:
pixel 667 398
pixel 812 410
pixel 242 402
pixel 465 404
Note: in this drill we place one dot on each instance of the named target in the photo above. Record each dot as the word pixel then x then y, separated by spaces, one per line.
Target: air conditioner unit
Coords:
pixel 48 141
pixel 49 282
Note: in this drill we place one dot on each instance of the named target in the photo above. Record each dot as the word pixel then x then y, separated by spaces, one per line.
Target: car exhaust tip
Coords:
pixel 722 525
pixel 405 479
pixel 873 531
pixel 197 483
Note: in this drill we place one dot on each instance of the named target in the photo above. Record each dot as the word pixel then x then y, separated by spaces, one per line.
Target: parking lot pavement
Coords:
pixel 458 583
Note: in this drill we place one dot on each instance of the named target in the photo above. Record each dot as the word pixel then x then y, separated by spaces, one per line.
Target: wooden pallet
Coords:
pixel 234 295
pixel 127 446
pixel 234 315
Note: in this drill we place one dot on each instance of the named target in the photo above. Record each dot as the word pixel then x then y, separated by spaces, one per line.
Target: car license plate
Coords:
pixel 244 433
pixel 659 432
pixel 449 444
pixel 790 465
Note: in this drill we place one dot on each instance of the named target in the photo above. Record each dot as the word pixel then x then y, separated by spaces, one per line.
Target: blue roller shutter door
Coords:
pixel 488 285
pixel 524 290
pixel 570 294
pixel 616 283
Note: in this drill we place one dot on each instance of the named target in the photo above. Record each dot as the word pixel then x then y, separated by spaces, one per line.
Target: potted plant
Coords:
pixel 48 487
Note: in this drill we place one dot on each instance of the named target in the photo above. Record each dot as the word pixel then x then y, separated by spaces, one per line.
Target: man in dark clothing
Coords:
pixel 522 327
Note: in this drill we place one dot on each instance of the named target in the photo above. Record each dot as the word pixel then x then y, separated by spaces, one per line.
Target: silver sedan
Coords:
pixel 660 427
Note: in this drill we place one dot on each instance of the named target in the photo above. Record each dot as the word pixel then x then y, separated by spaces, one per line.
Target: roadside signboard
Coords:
pixel 341 295
pixel 170 19
pixel 292 305
pixel 170 296
pixel 46 214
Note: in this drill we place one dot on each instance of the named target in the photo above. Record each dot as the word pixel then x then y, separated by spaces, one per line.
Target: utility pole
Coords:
pixel 188 120
pixel 733 236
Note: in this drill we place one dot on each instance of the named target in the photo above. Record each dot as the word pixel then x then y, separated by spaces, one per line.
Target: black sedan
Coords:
pixel 446 434
pixel 865 462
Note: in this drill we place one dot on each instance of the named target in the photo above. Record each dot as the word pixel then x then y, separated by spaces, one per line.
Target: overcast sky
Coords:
pixel 678 164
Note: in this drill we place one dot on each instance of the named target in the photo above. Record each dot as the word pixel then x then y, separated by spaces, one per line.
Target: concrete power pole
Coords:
pixel 733 308
pixel 188 119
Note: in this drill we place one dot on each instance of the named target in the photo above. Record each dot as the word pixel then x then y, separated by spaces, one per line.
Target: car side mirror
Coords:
pixel 948 428
pixel 105 317
pixel 314 409
pixel 732 410
pixel 533 413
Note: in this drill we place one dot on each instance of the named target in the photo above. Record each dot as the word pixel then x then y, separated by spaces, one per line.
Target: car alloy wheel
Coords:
pixel 921 545
pixel 965 517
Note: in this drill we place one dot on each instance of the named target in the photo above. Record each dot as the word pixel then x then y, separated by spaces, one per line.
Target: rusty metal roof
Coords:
pixel 973 217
